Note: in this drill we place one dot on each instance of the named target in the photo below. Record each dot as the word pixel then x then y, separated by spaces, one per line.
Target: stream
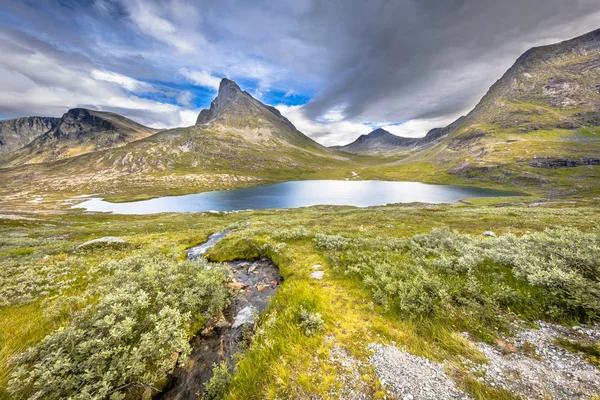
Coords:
pixel 254 283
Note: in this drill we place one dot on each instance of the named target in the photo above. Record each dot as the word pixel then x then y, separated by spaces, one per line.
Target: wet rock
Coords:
pixel 106 239
pixel 244 317
pixel 237 285
pixel 251 268
pixel 317 275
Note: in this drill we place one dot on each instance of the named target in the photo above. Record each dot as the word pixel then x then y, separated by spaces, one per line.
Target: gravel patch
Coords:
pixel 411 377
pixel 548 372
pixel 352 387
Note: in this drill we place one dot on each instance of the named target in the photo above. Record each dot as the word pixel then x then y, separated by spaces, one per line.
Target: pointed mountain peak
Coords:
pixel 229 91
pixel 379 132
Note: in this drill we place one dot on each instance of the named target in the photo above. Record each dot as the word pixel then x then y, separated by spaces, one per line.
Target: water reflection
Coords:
pixel 298 194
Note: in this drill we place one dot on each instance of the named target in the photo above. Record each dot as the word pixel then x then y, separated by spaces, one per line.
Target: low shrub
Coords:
pixel 310 322
pixel 135 334
pixel 552 274
pixel 215 388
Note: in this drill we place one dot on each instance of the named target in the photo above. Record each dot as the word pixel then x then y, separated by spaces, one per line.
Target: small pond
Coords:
pixel 298 194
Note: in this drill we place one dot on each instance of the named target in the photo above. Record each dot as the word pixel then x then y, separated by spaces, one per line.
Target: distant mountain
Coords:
pixel 382 141
pixel 79 131
pixel 18 132
pixel 378 141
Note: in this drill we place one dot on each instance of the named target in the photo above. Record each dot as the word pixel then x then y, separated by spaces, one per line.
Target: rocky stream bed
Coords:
pixel 254 283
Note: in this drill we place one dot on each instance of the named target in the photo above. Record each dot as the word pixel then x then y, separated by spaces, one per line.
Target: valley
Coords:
pixel 469 295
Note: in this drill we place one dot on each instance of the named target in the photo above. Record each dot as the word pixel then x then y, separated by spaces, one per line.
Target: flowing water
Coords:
pixel 254 284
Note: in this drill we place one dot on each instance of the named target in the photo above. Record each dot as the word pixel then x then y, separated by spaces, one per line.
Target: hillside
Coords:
pixel 538 126
pixel 18 132
pixel 238 141
pixel 79 131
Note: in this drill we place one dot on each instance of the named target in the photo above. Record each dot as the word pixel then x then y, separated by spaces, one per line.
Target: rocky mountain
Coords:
pixel 544 112
pixel 236 110
pixel 378 141
pixel 237 140
pixel 381 141
pixel 79 131
pixel 18 132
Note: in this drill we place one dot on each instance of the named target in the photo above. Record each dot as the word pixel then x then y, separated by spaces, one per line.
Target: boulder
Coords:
pixel 106 239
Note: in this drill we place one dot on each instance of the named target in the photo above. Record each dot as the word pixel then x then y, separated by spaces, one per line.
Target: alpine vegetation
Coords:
pixel 135 334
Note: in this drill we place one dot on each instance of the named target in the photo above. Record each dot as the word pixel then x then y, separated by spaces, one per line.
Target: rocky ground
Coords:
pixel 411 377
pixel 531 365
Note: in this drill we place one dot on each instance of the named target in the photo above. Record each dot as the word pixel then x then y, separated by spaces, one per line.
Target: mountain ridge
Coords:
pixel 79 131
pixel 382 141
pixel 18 132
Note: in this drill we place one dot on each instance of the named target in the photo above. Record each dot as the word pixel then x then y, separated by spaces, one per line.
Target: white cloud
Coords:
pixel 42 83
pixel 152 19
pixel 419 127
pixel 201 78
pixel 122 80
pixel 328 133
pixel 333 130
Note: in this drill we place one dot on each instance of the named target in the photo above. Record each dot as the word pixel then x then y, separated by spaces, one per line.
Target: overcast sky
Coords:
pixel 336 68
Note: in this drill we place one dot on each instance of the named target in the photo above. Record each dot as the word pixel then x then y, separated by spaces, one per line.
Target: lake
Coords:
pixel 298 194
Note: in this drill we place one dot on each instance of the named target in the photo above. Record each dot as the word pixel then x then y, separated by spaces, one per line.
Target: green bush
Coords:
pixel 553 274
pixel 298 233
pixel 331 242
pixel 215 388
pixel 310 322
pixel 136 333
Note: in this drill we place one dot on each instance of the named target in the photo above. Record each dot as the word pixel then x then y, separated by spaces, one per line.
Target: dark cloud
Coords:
pixel 377 61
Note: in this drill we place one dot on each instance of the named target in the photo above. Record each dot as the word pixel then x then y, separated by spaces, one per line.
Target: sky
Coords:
pixel 336 68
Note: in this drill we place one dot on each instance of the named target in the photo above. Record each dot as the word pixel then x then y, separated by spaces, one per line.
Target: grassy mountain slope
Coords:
pixel 538 126
pixel 79 131
pixel 18 132
pixel 238 142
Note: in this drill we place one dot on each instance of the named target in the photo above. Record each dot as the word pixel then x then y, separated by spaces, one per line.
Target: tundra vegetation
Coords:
pixel 112 320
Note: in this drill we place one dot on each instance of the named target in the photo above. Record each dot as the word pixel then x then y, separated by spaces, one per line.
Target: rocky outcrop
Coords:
pixel 80 131
pixel 235 109
pixel 18 132
pixel 553 163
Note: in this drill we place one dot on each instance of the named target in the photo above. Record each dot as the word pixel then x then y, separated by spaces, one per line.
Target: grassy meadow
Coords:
pixel 415 275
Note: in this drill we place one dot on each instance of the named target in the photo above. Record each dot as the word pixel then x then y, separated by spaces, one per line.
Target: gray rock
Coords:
pixel 106 239
pixel 411 377
pixel 489 234
pixel 317 275
pixel 317 267
pixel 244 317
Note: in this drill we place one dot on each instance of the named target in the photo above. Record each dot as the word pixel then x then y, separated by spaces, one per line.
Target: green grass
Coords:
pixel 292 364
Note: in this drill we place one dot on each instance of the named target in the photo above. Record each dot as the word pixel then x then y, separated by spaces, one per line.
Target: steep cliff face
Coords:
pixel 79 131
pixel 236 111
pixel 18 132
